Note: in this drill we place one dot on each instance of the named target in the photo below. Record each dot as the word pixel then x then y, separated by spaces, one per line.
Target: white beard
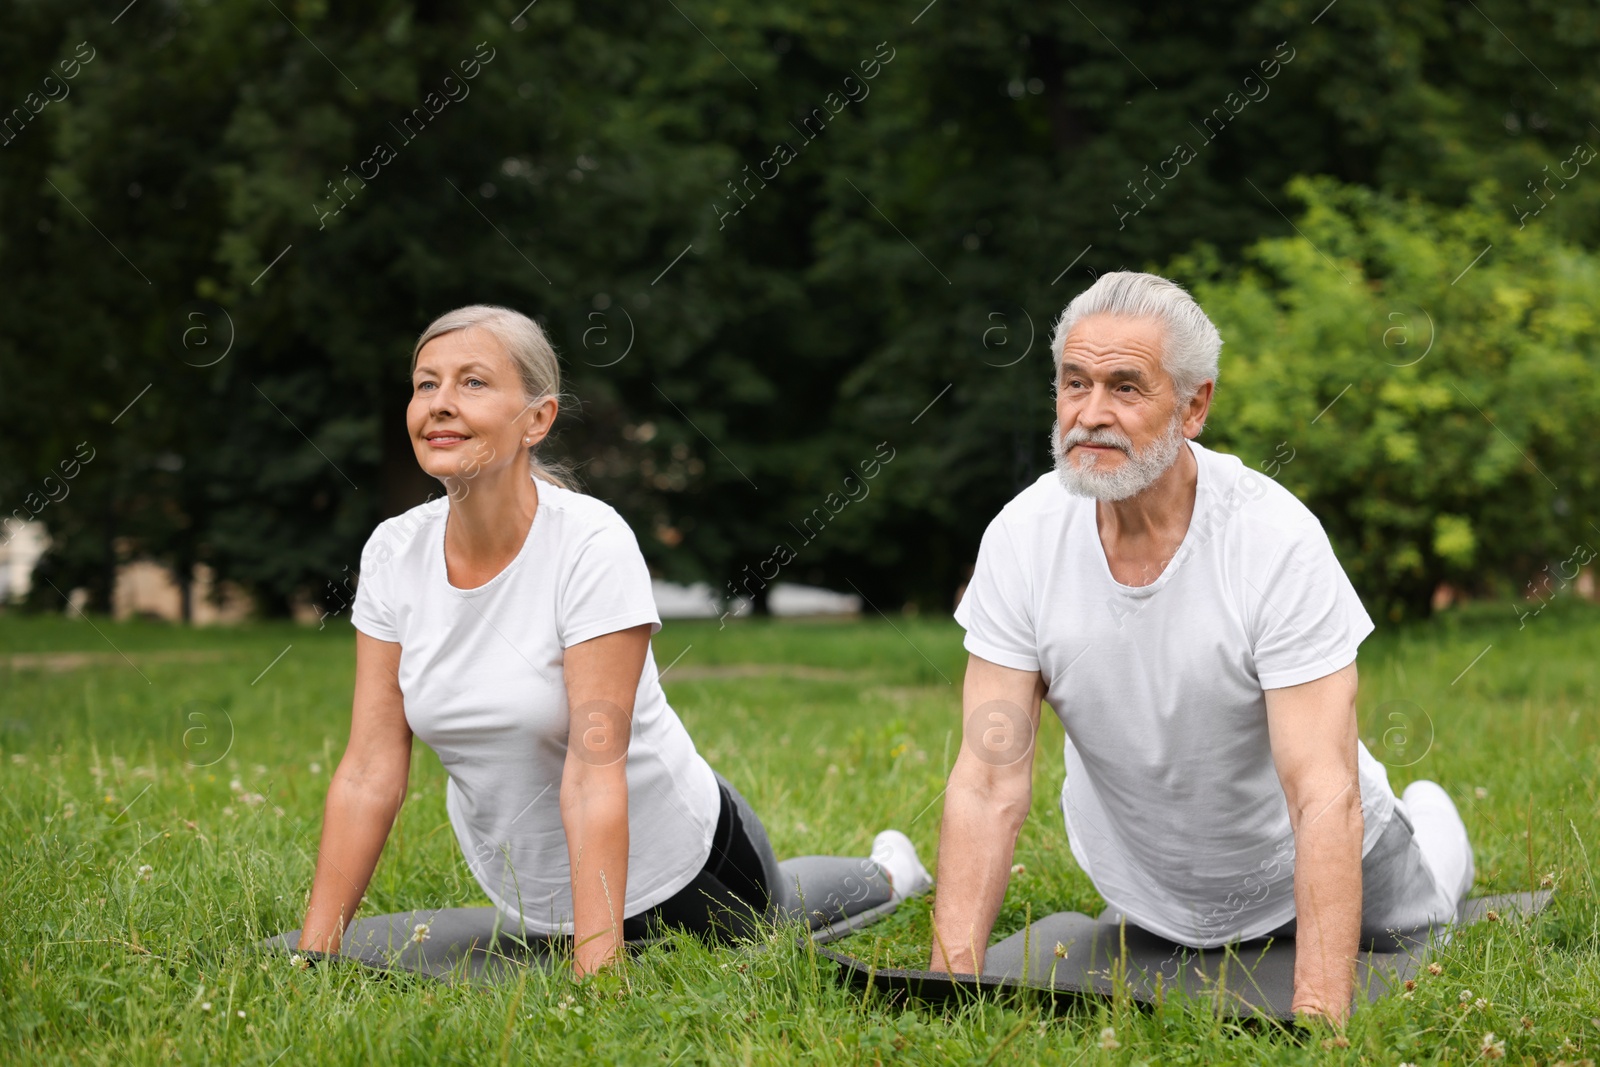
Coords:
pixel 1136 474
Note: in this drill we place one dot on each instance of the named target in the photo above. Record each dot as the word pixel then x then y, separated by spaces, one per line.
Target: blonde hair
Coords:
pixel 531 353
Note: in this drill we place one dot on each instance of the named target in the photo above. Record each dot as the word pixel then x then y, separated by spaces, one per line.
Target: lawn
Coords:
pixel 162 802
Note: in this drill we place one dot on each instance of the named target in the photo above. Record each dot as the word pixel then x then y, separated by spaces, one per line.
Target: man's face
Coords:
pixel 1119 423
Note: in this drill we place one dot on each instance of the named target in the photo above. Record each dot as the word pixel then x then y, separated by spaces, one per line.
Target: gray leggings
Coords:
pixel 742 884
pixel 1417 873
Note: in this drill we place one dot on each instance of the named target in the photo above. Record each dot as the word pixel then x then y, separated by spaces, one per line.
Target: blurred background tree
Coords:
pixel 1437 419
pixel 736 350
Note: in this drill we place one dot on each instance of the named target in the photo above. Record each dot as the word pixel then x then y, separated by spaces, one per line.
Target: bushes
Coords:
pixel 1433 406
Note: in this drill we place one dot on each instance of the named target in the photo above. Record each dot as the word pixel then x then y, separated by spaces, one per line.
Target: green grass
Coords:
pixel 851 731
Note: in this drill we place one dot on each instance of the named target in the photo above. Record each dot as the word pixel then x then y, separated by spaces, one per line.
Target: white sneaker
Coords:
pixel 897 856
pixel 1442 838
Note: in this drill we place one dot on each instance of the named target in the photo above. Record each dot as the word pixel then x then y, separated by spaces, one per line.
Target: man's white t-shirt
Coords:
pixel 1172 802
pixel 481 676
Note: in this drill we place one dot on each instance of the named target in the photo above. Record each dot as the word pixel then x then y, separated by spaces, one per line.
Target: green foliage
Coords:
pixel 893 282
pixel 1430 397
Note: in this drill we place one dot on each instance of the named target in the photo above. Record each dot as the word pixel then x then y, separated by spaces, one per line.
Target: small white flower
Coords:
pixel 419 933
pixel 205 1005
pixel 240 1014
pixel 316 768
pixel 254 800
pixel 1491 1048
pixel 1108 1039
pixel 145 871
pixel 299 962
pixel 236 785
pixel 1018 868
pixel 1479 1004
pixel 1465 995
pixel 1481 793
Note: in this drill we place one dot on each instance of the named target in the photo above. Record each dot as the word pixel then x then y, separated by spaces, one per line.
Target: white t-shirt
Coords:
pixel 1172 803
pixel 481 674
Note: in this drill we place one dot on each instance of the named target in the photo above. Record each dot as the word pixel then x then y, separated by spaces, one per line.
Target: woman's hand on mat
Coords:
pixel 596 953
pixel 318 942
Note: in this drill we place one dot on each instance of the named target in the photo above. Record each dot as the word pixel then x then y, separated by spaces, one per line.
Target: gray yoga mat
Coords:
pixel 469 944
pixel 1250 978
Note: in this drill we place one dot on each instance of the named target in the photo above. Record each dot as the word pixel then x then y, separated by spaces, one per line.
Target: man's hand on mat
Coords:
pixel 1314 1015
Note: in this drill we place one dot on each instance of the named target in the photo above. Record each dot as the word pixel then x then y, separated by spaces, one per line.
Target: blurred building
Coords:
pixel 149 590
pixel 699 601
pixel 21 545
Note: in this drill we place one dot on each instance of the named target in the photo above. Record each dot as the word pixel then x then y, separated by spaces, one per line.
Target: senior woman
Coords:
pixel 507 624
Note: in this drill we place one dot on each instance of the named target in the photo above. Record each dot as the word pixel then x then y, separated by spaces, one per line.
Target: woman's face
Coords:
pixel 468 412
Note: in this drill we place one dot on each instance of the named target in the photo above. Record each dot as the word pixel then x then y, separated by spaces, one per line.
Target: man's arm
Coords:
pixel 602 676
pixel 1313 732
pixel 985 803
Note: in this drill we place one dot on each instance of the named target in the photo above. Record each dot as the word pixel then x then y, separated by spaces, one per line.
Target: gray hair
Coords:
pixel 1192 341
pixel 531 353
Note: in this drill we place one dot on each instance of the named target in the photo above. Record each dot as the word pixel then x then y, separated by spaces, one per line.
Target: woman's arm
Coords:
pixel 363 797
pixel 602 676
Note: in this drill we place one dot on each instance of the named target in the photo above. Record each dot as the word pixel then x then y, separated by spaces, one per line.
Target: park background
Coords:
pixel 777 247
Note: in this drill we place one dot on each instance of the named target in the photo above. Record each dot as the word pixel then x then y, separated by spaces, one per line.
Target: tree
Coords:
pixel 1430 406
pixel 772 244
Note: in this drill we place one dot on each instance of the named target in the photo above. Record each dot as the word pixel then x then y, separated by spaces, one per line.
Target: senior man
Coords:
pixel 1187 620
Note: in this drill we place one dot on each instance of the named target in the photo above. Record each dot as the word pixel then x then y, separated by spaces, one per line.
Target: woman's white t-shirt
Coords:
pixel 1172 800
pixel 481 676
